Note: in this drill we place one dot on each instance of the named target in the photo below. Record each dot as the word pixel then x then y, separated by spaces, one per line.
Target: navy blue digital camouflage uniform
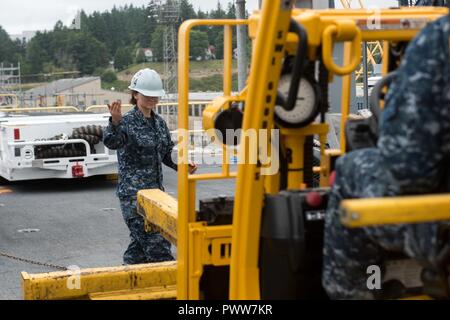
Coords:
pixel 412 152
pixel 142 145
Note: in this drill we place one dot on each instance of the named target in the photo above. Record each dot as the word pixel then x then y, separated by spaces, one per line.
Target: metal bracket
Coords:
pixel 208 246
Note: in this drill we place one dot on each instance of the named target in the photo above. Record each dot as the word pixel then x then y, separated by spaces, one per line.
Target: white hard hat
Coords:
pixel 147 82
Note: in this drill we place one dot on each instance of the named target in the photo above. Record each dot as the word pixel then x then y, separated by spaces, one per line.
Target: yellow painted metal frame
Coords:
pixel 318 21
pixel 187 284
pixel 325 166
pixel 160 211
pixel 343 25
pixel 206 245
pixel 144 281
pixel 269 28
pixel 153 293
pixel 260 100
pixel 341 31
pixel 294 139
pixel 395 210
pixel 215 107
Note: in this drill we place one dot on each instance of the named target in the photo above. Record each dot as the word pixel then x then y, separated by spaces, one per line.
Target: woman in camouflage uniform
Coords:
pixel 143 142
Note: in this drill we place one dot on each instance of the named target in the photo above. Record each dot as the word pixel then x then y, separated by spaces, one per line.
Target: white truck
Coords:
pixel 67 146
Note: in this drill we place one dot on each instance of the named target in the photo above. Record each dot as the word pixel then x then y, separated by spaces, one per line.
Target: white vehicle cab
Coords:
pixel 54 146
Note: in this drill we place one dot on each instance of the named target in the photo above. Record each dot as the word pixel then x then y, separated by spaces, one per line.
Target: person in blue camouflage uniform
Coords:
pixel 436 3
pixel 143 142
pixel 410 158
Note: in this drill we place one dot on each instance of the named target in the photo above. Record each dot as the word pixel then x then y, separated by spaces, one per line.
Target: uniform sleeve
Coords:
pixel 411 127
pixel 167 159
pixel 114 136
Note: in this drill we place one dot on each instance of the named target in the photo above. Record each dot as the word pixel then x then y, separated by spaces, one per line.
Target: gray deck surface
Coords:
pixel 79 223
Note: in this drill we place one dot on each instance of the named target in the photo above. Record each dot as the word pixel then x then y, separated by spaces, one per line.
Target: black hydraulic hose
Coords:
pixel 299 63
pixel 324 91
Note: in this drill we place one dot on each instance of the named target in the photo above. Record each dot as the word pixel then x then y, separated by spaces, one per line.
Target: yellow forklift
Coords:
pixel 266 241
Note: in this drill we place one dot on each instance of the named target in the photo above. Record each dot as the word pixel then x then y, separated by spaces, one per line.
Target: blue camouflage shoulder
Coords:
pixel 412 123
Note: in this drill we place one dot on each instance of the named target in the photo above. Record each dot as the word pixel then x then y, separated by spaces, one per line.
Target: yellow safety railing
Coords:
pixel 356 213
pixel 42 109
pixel 103 108
pixel 126 107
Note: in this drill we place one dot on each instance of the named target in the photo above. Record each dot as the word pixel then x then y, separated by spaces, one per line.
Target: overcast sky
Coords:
pixel 23 15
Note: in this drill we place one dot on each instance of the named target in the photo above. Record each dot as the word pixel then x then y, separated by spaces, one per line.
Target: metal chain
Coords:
pixel 32 262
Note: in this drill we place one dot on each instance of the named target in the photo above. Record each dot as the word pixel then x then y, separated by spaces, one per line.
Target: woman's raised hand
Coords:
pixel 116 111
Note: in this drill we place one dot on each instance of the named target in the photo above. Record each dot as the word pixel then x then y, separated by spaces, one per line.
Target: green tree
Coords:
pixel 231 11
pixel 187 11
pixel 37 54
pixel 88 52
pixel 142 25
pixel 218 43
pixel 65 59
pixel 231 14
pixel 59 26
pixel 122 58
pixel 157 43
pixel 49 67
pixel 97 27
pixel 202 15
pixel 109 76
pixel 140 58
pixel 219 13
pixel 198 44
pixel 101 36
pixel 213 32
pixel 8 48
